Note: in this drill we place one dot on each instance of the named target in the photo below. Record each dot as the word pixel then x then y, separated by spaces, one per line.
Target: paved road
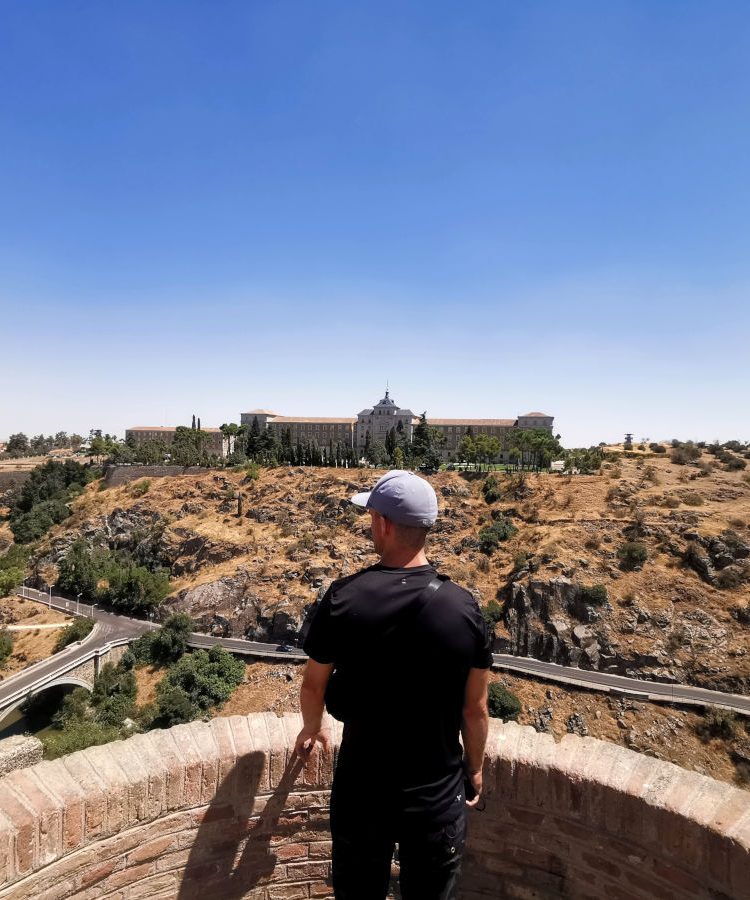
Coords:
pixel 110 626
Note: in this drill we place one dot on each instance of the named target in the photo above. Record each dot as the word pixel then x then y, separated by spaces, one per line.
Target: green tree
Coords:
pixel 208 678
pixel 390 443
pixel 18 444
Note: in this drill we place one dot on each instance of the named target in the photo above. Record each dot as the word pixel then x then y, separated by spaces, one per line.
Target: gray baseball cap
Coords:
pixel 402 497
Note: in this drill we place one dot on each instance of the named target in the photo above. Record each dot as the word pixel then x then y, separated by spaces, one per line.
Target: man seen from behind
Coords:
pixel 401 656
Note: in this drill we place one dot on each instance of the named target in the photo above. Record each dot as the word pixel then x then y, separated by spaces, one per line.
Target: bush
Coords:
pixel 174 707
pixel 6 646
pixel 76 631
pixel 9 580
pixel 500 530
pixel 691 498
pixel 493 613
pixel 683 454
pixel 593 595
pixel 207 677
pixel 632 555
pixel 717 723
pixel 139 488
pixel 491 489
pixel 502 703
pixel 657 448
pixel 77 736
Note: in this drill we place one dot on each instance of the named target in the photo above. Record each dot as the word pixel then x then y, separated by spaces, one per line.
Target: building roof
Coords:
pixel 504 422
pixel 168 428
pixel 536 415
pixel 260 412
pixel 312 420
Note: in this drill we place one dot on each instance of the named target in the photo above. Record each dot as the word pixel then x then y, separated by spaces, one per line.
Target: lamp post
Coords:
pixel 78 603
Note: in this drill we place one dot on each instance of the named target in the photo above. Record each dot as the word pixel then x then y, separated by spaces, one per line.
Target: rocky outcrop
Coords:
pixel 231 607
pixel 551 620
pixel 708 555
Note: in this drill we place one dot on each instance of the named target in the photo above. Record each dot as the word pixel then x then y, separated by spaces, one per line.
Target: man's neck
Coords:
pixel 403 559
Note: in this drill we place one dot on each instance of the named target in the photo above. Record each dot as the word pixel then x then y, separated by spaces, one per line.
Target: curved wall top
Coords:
pixel 223 810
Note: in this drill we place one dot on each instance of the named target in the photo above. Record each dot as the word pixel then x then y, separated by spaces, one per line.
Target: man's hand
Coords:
pixel 475 779
pixel 307 739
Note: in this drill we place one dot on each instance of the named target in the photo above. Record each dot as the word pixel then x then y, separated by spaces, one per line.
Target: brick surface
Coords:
pixel 224 809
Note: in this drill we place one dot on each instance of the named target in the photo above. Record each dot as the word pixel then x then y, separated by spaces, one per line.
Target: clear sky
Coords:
pixel 497 206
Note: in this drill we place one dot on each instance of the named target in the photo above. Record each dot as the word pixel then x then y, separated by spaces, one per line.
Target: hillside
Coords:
pixel 682 615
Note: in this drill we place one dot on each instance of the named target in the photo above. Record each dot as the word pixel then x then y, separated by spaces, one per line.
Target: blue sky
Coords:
pixel 498 207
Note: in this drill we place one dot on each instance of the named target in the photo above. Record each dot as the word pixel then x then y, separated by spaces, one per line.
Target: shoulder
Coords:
pixel 342 584
pixel 461 600
pixel 459 594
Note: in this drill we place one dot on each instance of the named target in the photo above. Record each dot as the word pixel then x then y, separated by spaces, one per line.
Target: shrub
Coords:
pixel 593 542
pixel 651 474
pixel 692 498
pixel 6 646
pixel 682 454
pixel 731 577
pixel 657 448
pixel 500 530
pixel 593 594
pixel 174 707
pixel 139 488
pixel 207 677
pixel 77 736
pixel 491 489
pixel 632 555
pixel 493 613
pixel 672 502
pixel 76 631
pixel 717 723
pixel 502 703
pixel 9 580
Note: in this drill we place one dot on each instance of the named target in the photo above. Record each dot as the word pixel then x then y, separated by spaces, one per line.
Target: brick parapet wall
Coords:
pixel 223 810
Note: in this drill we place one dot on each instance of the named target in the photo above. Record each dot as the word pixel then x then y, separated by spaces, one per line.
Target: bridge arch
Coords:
pixel 62 681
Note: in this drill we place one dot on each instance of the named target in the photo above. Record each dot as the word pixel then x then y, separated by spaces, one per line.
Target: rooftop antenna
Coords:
pixel 386 388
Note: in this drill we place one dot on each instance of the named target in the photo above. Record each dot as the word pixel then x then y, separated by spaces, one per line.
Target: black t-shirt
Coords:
pixel 408 674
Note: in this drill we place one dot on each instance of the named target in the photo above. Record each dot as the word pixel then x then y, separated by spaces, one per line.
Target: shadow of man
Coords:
pixel 232 851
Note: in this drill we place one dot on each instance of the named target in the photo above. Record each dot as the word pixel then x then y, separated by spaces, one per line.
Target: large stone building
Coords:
pixel 372 425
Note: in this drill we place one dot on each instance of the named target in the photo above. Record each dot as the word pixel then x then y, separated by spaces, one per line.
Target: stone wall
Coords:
pixel 223 810
pixel 18 752
pixel 117 475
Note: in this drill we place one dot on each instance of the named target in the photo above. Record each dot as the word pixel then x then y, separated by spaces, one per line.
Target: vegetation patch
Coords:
pixel 6 646
pixel 42 499
pixel 114 577
pixel 593 594
pixel 492 535
pixel 78 629
pixel 632 555
pixel 502 703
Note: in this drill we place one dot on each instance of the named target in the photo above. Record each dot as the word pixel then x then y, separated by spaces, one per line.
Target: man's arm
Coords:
pixel 311 699
pixel 474 727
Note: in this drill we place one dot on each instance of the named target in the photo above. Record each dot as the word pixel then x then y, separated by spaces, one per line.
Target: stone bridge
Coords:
pixel 76 666
pixel 223 810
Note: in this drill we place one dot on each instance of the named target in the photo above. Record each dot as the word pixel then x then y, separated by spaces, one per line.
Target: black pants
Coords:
pixel 365 833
